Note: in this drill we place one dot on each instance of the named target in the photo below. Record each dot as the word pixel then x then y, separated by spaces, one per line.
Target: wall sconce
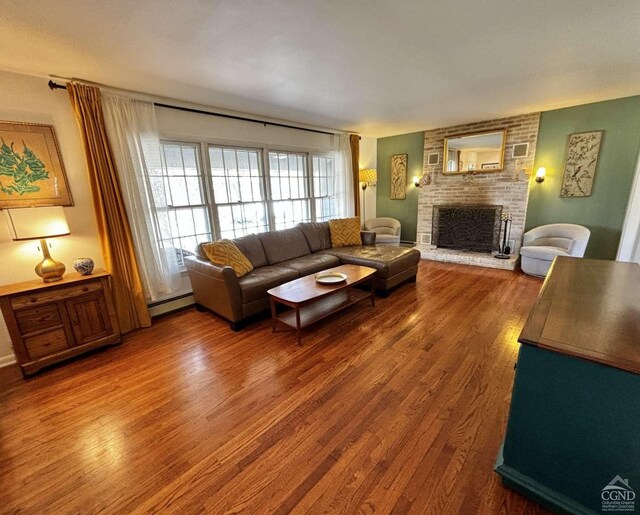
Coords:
pixel 540 174
pixel 425 180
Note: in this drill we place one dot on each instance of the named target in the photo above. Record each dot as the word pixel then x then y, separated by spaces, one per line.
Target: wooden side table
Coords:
pixel 51 322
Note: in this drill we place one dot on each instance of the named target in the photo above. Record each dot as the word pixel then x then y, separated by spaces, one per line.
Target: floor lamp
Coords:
pixel 367 178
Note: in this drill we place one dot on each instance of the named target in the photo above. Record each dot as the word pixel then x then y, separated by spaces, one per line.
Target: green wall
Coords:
pixel 604 211
pixel 406 211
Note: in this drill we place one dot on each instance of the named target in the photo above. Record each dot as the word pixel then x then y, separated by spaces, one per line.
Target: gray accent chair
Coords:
pixel 387 230
pixel 542 244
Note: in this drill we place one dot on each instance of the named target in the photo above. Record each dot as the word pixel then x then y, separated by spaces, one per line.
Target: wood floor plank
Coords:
pixel 396 408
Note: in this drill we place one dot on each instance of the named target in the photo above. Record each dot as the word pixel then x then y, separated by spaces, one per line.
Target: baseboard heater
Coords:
pixel 166 306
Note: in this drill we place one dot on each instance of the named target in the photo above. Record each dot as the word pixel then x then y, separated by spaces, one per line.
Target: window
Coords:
pixel 289 180
pixel 178 185
pixel 238 191
pixel 246 190
pixel 324 175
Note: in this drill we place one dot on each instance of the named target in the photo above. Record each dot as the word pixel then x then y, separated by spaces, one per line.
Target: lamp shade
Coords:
pixel 369 176
pixel 37 222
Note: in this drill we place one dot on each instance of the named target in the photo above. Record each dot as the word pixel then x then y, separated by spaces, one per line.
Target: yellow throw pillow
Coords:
pixel 225 253
pixel 345 232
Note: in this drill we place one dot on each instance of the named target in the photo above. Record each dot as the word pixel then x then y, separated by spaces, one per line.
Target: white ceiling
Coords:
pixel 379 67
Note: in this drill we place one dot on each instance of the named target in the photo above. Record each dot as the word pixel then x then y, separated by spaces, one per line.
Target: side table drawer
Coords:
pixel 45 344
pixel 52 295
pixel 36 319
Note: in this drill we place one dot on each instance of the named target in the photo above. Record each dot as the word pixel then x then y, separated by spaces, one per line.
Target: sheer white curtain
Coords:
pixel 345 199
pixel 133 135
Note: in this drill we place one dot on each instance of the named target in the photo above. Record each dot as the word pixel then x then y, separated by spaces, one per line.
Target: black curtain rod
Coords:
pixel 54 85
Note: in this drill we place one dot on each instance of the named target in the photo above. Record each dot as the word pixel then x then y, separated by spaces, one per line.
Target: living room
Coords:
pixel 320 257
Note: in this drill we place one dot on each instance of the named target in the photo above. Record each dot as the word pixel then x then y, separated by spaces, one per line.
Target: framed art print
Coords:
pixel 399 176
pixel 580 164
pixel 31 169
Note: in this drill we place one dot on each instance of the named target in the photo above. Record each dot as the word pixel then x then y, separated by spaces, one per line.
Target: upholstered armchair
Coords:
pixel 542 244
pixel 387 230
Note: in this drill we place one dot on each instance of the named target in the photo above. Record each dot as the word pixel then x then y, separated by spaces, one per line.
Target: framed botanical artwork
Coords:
pixel 580 164
pixel 399 177
pixel 31 169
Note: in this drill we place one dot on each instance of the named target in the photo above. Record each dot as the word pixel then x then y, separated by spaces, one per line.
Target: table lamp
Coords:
pixel 39 223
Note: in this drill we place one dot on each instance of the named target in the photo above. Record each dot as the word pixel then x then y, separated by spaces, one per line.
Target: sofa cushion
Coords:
pixel 251 246
pixel 225 253
pixel 345 232
pixel 254 285
pixel 317 234
pixel 544 253
pixel 284 245
pixel 311 264
pixel 387 260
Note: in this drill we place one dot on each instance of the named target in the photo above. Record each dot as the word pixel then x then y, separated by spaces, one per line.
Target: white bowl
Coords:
pixel 330 277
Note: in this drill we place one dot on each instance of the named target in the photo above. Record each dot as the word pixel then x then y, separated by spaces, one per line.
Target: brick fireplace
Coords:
pixel 508 188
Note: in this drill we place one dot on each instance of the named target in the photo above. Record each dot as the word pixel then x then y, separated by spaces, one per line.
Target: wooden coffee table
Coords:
pixel 312 301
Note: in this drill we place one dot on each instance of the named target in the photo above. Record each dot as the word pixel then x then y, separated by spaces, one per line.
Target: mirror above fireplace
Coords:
pixel 481 152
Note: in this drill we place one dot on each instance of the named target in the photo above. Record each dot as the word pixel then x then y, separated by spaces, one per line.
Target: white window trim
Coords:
pixel 264 149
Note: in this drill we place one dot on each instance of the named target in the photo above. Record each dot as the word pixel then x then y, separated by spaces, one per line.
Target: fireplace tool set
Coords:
pixel 505 229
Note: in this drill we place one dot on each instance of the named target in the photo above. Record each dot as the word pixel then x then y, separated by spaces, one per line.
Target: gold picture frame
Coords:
pixel 31 169
pixel 453 162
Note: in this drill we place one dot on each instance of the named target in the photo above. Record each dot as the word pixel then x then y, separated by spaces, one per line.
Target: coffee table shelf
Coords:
pixel 324 307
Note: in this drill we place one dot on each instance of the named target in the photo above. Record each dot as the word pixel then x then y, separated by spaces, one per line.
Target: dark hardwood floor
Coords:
pixel 398 408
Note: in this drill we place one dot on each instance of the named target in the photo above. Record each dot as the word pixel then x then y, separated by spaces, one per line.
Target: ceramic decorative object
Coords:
pixel 84 266
pixel 330 277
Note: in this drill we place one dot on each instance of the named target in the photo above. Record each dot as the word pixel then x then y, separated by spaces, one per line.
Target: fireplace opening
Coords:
pixel 472 228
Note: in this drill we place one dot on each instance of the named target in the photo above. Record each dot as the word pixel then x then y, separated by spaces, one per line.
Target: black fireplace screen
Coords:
pixel 465 227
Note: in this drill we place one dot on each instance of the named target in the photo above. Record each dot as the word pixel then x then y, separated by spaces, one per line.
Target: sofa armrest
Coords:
pixel 532 235
pixel 368 237
pixel 215 287
pixel 578 247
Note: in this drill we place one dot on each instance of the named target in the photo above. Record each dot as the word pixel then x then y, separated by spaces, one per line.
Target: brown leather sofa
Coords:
pixel 281 256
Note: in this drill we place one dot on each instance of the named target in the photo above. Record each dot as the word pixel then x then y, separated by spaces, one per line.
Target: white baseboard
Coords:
pixel 5 361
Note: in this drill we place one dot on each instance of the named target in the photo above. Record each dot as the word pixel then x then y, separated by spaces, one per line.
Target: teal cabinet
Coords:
pixel 572 441
pixel 574 425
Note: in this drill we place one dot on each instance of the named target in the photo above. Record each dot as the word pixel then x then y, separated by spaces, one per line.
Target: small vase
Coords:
pixel 84 266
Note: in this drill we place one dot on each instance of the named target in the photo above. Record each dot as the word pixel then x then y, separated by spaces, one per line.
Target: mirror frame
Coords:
pixel 467 135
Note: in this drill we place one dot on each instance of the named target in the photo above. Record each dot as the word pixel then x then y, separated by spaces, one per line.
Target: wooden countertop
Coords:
pixel 39 284
pixel 589 309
